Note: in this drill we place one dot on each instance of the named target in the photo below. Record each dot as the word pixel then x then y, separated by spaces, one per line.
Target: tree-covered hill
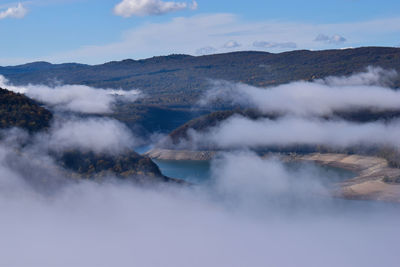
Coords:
pixel 178 80
pixel 173 84
pixel 129 165
pixel 17 110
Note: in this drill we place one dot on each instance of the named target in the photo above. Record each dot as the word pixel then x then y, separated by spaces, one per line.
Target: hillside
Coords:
pixel 17 110
pixel 205 122
pixel 177 80
pixel 173 84
pixel 129 165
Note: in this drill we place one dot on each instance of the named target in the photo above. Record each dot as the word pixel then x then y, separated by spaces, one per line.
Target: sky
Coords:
pixel 93 32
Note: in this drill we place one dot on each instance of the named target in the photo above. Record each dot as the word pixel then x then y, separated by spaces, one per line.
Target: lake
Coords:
pixel 199 172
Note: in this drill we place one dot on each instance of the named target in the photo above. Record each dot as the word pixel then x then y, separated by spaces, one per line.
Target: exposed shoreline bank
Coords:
pixel 368 184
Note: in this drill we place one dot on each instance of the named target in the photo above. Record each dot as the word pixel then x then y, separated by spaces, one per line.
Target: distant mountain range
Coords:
pixel 173 84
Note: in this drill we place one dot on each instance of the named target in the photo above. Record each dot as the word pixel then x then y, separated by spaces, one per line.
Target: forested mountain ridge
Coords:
pixel 178 80
pixel 172 85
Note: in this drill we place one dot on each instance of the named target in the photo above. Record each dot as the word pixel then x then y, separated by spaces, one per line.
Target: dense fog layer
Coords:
pixel 239 131
pixel 252 212
pixel 76 98
pixel 306 113
pixel 369 89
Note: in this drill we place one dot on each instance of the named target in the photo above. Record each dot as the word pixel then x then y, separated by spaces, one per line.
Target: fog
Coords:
pixel 303 108
pixel 369 89
pixel 252 212
pixel 99 135
pixel 238 131
pixel 75 98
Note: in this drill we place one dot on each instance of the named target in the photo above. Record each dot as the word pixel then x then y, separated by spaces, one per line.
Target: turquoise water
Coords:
pixel 200 171
pixel 191 171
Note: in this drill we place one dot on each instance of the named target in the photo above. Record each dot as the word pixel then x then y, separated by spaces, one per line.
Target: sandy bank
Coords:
pixel 369 184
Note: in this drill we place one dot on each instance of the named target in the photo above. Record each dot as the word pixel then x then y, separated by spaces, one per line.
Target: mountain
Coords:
pixel 173 84
pixel 17 110
pixel 128 165
pixel 180 138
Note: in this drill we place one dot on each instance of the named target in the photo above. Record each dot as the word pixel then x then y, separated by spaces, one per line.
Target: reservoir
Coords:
pixel 199 172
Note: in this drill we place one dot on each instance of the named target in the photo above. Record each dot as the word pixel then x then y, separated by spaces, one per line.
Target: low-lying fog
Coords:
pixel 253 212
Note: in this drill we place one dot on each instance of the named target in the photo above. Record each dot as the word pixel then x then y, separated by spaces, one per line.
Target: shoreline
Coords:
pixel 368 184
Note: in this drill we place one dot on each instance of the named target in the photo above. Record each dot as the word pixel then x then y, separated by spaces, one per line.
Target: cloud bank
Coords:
pixel 17 12
pixel 98 135
pixel 244 220
pixel 306 114
pixel 128 8
pixel 240 132
pixel 76 98
pixel 321 97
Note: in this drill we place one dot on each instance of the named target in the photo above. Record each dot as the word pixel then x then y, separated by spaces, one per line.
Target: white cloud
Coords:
pixel 99 135
pixel 187 34
pixel 302 104
pixel 17 12
pixel 231 44
pixel 263 44
pixel 128 8
pixel 321 97
pixel 77 98
pixel 334 39
pixel 240 132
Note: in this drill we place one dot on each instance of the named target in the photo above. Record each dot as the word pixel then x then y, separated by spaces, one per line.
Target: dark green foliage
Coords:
pixel 17 110
pixel 128 165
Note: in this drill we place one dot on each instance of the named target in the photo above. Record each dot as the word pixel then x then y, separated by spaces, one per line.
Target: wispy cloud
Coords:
pixel 128 8
pixel 263 44
pixel 188 34
pixel 18 12
pixel 334 39
pixel 232 44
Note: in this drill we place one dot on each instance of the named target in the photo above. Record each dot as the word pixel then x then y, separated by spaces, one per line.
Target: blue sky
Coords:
pixel 93 31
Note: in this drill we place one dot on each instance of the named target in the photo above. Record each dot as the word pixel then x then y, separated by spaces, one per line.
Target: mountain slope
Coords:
pixel 173 84
pixel 17 110
pixel 178 80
